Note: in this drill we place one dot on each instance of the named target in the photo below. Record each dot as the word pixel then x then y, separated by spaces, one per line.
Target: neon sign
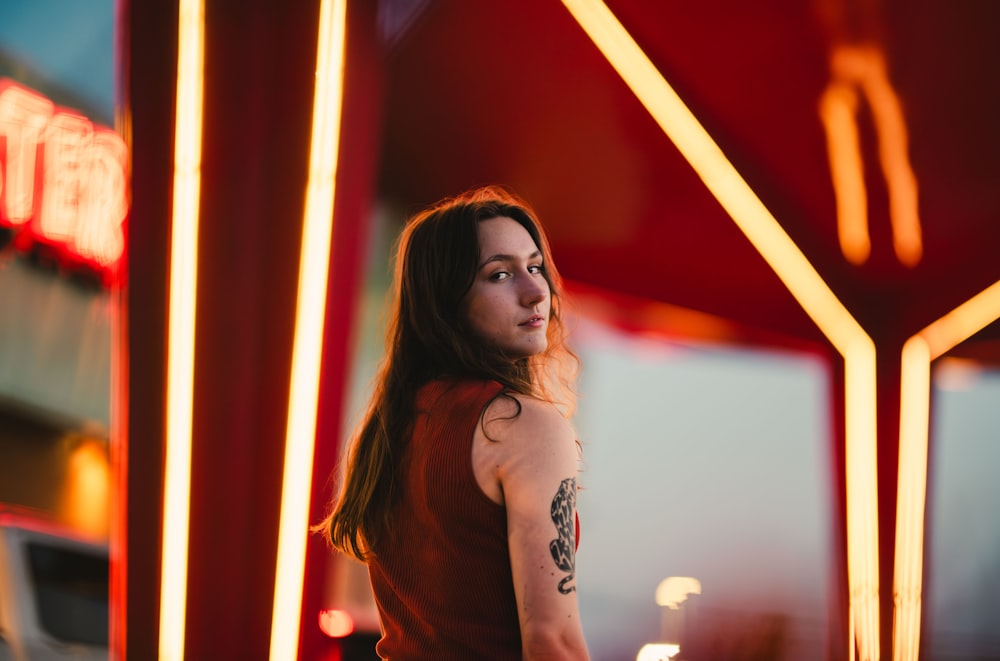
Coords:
pixel 63 181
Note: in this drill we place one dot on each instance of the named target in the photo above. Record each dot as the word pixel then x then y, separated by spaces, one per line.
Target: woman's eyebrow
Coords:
pixel 508 258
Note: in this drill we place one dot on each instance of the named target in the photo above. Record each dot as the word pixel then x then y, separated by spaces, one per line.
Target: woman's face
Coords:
pixel 509 301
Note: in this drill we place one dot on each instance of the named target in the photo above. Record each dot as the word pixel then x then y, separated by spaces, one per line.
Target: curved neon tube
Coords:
pixel 918 352
pixel 803 282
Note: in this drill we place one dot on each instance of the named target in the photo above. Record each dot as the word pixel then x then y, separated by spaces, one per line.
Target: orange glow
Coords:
pixel 838 106
pixel 862 68
pixel 958 374
pixel 914 423
pixel 652 318
pixel 802 281
pixel 181 329
pixel 303 397
pixel 85 496
pixel 336 623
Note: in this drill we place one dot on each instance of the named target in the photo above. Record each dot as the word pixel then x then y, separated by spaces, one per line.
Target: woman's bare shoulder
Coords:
pixel 515 416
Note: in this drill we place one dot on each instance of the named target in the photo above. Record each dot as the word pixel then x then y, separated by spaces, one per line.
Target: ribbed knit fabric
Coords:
pixel 443 582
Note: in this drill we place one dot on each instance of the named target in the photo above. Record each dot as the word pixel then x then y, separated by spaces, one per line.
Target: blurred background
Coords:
pixel 55 328
pixel 711 405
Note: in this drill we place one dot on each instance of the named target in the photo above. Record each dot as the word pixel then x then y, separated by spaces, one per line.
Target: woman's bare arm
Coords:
pixel 536 461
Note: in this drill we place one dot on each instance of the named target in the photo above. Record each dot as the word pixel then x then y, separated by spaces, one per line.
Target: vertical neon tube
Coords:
pixel 861 460
pixel 914 419
pixel 180 329
pixel 307 350
pixel 914 439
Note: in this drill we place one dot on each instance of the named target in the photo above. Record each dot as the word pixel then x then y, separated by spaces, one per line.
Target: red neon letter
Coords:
pixel 65 151
pixel 23 117
pixel 104 202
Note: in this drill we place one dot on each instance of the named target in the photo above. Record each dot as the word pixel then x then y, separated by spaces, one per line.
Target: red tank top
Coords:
pixel 442 581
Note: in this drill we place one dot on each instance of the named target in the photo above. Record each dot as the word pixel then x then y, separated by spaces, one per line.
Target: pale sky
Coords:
pixel 70 42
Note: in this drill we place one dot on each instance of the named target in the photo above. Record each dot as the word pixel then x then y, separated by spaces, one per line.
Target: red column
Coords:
pixel 839 642
pixel 260 61
pixel 359 151
pixel 148 64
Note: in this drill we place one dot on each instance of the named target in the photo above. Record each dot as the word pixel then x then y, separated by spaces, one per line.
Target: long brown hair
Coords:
pixel 437 257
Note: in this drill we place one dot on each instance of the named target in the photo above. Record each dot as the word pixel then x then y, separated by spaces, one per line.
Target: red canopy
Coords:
pixel 518 94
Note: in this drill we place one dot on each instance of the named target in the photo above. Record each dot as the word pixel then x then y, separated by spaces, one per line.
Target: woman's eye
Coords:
pixel 535 268
pixel 500 275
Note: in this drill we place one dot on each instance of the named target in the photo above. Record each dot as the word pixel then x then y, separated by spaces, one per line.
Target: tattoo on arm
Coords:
pixel 563 548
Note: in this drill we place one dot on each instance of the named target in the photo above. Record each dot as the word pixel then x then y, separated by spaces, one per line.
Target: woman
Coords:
pixel 460 488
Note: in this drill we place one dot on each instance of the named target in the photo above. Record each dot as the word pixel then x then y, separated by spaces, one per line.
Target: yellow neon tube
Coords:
pixel 802 281
pixel 180 329
pixel 963 322
pixel 932 342
pixel 308 342
pixel 861 460
pixel 911 495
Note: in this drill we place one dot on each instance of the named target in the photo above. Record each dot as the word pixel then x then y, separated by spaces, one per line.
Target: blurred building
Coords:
pixel 63 201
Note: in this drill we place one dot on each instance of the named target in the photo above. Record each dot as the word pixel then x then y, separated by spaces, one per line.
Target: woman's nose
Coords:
pixel 534 291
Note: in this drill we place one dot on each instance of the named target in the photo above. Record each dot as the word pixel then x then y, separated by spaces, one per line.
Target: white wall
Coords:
pixel 962 593
pixel 709 462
